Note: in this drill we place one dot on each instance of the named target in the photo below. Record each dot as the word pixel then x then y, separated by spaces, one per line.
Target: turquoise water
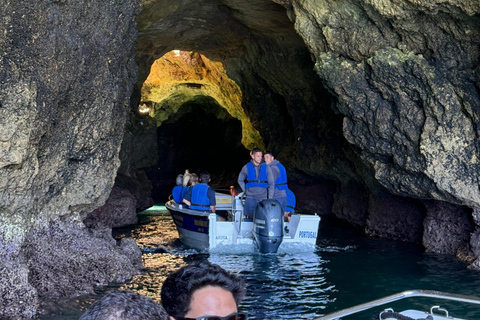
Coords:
pixel 346 268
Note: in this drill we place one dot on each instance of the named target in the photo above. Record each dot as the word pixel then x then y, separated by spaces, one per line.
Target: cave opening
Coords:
pixel 200 124
pixel 201 136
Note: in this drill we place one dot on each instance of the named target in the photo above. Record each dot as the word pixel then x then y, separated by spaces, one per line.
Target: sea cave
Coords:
pixel 372 106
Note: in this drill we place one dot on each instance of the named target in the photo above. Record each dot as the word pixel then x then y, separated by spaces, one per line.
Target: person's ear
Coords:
pixel 171 318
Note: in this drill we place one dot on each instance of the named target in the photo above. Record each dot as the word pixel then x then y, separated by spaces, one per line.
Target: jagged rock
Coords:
pixel 118 211
pixel 131 251
pixel 395 217
pixel 404 76
pixel 64 260
pixel 68 71
pixel 447 228
pixel 19 297
pixel 351 204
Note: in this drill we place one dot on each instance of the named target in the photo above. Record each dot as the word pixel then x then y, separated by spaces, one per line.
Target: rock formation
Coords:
pixel 68 69
pixel 372 105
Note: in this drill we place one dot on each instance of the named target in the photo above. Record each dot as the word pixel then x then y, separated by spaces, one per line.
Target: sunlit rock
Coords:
pixel 178 77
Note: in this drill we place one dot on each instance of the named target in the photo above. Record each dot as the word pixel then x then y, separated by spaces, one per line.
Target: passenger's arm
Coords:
pixel 187 197
pixel 241 177
pixel 271 183
pixel 211 199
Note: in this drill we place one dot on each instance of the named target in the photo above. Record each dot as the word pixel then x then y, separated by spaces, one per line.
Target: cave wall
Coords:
pixel 406 76
pixel 66 77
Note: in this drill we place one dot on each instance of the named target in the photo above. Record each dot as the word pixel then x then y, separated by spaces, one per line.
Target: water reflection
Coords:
pixel 347 268
pixel 280 286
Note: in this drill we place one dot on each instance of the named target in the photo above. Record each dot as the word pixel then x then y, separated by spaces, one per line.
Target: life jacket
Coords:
pixel 252 180
pixel 199 197
pixel 281 182
pixel 290 201
pixel 184 192
pixel 177 194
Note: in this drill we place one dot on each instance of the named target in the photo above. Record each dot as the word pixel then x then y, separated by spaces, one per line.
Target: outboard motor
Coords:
pixel 268 225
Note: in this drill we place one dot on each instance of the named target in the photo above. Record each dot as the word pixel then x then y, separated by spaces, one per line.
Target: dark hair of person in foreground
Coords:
pixel 125 305
pixel 178 288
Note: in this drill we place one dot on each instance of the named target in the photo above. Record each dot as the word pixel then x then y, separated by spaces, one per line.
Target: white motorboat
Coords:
pixel 435 313
pixel 267 230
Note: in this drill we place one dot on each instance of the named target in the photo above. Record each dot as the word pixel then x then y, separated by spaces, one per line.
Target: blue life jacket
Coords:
pixel 291 201
pixel 281 182
pixel 177 194
pixel 184 192
pixel 199 197
pixel 252 180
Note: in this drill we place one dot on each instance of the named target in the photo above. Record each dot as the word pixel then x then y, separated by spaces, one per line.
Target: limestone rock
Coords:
pixel 447 228
pixel 118 211
pixel 403 74
pixel 64 259
pixel 67 74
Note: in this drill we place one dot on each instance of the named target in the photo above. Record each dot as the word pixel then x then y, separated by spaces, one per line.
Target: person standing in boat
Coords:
pixel 257 181
pixel 280 176
pixel 201 196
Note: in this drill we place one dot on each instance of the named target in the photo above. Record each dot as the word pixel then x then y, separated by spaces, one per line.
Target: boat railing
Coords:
pixel 399 296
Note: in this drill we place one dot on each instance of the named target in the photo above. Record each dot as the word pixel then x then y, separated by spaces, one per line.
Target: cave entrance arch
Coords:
pixel 200 122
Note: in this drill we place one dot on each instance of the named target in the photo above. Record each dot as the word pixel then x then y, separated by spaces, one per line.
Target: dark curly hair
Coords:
pixel 125 305
pixel 178 288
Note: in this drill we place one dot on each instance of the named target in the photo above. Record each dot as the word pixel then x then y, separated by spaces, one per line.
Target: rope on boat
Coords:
pixel 386 315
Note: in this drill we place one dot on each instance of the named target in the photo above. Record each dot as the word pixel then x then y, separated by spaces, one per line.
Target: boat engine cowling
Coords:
pixel 268 225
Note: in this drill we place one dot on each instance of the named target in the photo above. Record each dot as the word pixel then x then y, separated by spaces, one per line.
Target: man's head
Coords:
pixel 204 177
pixel 125 305
pixel 193 180
pixel 268 156
pixel 179 180
pixel 256 155
pixel 201 289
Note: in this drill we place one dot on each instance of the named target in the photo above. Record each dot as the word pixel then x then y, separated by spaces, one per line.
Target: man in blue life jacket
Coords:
pixel 201 196
pixel 280 176
pixel 257 181
pixel 291 201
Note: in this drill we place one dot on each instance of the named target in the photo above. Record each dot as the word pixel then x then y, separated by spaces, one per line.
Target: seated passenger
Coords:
pixel 177 190
pixel 193 180
pixel 291 201
pixel 201 196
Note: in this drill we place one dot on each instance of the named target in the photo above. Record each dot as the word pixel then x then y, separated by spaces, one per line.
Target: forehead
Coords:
pixel 211 300
pixel 257 153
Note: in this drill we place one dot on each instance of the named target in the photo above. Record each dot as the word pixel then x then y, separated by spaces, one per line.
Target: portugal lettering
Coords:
pixel 307 234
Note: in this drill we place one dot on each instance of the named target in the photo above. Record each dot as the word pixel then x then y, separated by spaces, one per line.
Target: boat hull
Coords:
pixel 201 230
